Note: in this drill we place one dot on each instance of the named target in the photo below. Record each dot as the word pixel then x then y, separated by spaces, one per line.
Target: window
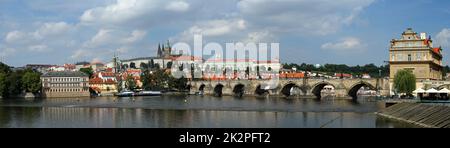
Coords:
pixel 409 57
pixel 419 56
pixel 393 57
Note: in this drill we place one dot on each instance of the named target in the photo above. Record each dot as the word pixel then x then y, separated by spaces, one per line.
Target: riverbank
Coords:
pixel 423 115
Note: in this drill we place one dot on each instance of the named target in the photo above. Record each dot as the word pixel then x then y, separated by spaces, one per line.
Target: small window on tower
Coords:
pixel 409 57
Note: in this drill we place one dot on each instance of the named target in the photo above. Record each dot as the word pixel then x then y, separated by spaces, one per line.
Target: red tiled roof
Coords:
pixel 98 80
pixel 95 80
pixel 437 50
pixel 107 74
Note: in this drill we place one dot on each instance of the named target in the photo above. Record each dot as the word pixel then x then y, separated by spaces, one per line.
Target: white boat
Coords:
pixel 126 94
pixel 149 93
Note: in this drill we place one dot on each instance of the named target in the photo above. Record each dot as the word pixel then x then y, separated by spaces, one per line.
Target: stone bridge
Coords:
pixel 289 87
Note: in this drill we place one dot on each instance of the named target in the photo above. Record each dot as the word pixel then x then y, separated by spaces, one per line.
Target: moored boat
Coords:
pixel 149 93
pixel 126 94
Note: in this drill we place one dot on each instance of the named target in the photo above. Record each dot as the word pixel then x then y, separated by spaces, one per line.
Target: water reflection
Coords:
pixel 202 112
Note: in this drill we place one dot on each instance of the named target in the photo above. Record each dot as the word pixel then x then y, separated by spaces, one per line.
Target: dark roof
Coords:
pixel 65 74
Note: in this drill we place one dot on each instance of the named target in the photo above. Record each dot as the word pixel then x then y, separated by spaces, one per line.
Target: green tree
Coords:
pixel 178 84
pixel 133 65
pixel 31 82
pixel 89 71
pixel 130 84
pixel 445 70
pixel 144 66
pixel 14 81
pixel 169 65
pixel 146 80
pixel 4 68
pixel 3 84
pixel 405 82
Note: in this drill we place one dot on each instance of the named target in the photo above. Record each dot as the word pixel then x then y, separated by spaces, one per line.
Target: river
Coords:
pixel 193 112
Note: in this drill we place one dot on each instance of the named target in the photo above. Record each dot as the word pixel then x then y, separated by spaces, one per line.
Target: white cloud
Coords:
pixel 108 37
pixel 214 28
pixel 346 44
pixel 122 50
pixel 121 11
pixel 443 38
pixel 136 35
pixel 318 17
pixel 178 6
pixel 80 53
pixel 52 29
pixel 39 48
pixel 14 36
pixel 102 37
pixel 6 52
pixel 262 36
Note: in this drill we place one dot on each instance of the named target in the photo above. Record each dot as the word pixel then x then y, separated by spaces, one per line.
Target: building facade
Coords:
pixel 104 83
pixel 415 52
pixel 67 84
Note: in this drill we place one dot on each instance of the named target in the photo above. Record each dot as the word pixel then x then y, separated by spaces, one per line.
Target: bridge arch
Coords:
pixel 353 90
pixel 239 90
pixel 260 91
pixel 201 89
pixel 218 90
pixel 287 89
pixel 318 87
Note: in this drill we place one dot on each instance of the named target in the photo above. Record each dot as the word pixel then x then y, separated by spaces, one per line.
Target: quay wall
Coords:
pixel 423 115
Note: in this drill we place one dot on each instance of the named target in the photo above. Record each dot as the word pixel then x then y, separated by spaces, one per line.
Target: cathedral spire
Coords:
pixel 168 44
pixel 159 50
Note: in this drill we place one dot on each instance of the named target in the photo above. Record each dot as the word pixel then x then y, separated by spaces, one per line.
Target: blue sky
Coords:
pixel 312 31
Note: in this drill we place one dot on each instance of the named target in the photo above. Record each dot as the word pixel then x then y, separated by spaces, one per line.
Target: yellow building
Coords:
pixel 415 52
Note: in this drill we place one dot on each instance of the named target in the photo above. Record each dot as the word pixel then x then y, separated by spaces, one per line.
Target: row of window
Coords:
pixel 65 79
pixel 67 90
pixel 67 85
pixel 409 57
pixel 409 44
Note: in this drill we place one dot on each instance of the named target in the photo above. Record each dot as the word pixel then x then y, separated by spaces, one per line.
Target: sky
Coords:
pixel 353 32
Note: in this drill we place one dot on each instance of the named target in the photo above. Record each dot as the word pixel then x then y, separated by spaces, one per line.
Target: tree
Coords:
pixel 125 66
pixel 4 68
pixel 445 70
pixel 130 84
pixel 89 71
pixel 144 66
pixel 178 84
pixel 31 82
pixel 133 65
pixel 405 82
pixel 157 66
pixel 151 64
pixel 146 80
pixel 169 65
pixel 15 86
pixel 3 85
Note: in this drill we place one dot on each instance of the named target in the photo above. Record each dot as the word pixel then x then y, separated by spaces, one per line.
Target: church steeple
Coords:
pixel 168 44
pixel 159 50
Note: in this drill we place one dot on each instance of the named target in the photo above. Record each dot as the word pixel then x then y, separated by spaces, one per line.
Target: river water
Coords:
pixel 193 112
